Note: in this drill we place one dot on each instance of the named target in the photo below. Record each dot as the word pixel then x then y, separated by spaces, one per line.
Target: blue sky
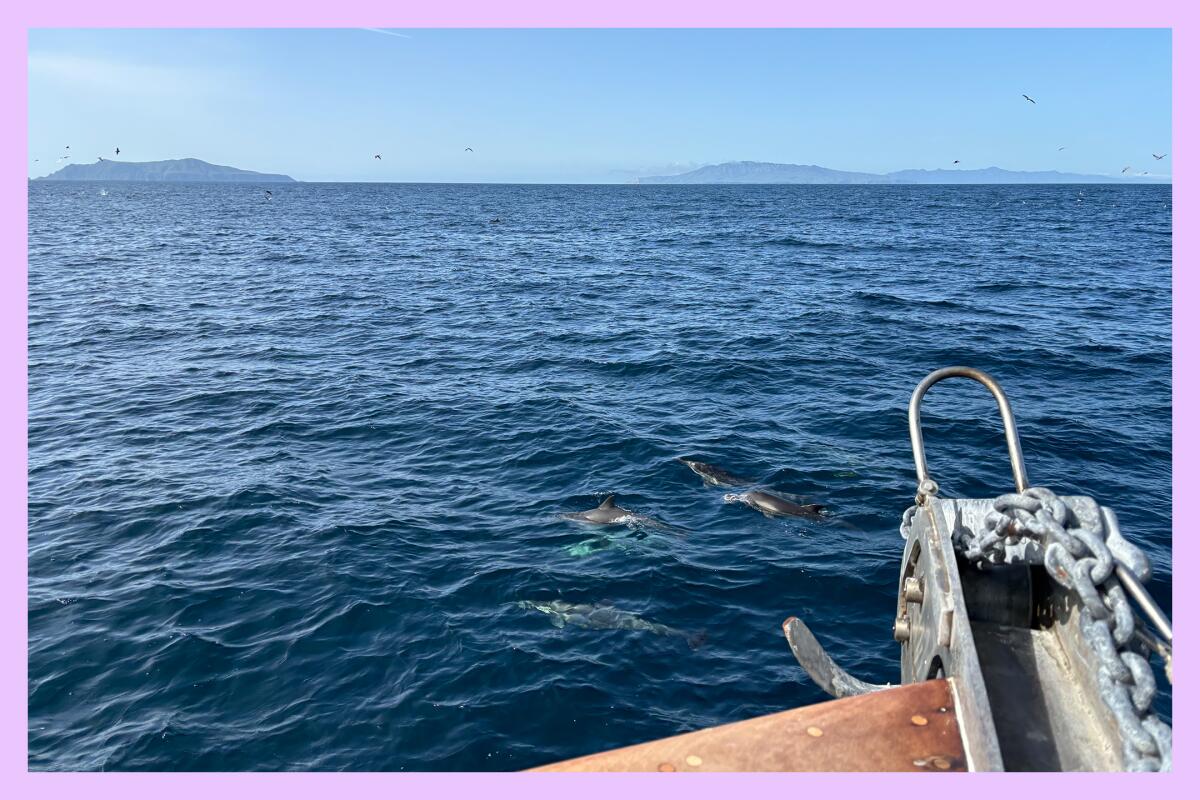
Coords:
pixel 600 105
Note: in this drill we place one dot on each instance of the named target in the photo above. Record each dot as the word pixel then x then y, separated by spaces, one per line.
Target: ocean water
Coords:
pixel 293 464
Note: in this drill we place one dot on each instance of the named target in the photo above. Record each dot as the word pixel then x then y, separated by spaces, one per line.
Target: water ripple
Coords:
pixel 292 465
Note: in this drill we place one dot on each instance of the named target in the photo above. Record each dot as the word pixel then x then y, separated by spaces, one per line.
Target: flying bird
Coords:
pixel 118 151
pixel 1064 147
pixel 468 150
pixel 1157 157
pixel 1030 99
pixel 956 161
pixel 268 191
pixel 1125 170
pixel 379 156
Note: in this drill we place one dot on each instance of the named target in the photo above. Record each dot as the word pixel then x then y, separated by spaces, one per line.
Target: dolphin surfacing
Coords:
pixel 713 475
pixel 775 506
pixel 607 513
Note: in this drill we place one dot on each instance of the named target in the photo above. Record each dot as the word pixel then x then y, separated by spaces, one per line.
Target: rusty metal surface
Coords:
pixel 911 728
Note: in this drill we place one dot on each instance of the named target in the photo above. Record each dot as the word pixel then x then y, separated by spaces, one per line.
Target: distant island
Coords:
pixel 760 172
pixel 178 170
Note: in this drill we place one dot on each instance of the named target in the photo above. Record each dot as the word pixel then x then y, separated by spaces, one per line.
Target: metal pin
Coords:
pixel 913 593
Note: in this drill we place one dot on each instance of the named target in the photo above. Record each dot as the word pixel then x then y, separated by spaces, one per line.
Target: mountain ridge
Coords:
pixel 176 170
pixel 768 172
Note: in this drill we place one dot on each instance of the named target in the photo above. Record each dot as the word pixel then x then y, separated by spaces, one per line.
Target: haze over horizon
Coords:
pixel 600 106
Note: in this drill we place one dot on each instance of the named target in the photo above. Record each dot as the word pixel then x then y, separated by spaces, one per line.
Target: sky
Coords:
pixel 600 106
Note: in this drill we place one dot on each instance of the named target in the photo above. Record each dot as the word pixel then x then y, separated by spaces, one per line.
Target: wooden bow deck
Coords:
pixel 909 728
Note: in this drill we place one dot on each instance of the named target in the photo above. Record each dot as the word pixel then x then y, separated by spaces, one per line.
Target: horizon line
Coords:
pixel 1144 180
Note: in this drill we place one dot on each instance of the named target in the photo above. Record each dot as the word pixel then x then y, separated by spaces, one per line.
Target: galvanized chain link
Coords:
pixel 1037 527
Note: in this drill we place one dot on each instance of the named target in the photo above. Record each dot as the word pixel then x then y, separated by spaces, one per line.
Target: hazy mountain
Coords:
pixel 997 175
pixel 182 170
pixel 759 172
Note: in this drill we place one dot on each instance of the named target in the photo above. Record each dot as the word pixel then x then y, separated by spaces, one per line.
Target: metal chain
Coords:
pixel 1037 527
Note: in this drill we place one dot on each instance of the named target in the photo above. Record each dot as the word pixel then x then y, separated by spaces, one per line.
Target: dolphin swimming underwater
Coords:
pixel 713 475
pixel 596 617
pixel 600 544
pixel 774 506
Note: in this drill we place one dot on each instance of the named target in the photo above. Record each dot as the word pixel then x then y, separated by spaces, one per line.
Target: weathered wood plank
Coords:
pixel 911 728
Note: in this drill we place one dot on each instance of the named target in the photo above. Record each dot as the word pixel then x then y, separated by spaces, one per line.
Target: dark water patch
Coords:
pixel 290 471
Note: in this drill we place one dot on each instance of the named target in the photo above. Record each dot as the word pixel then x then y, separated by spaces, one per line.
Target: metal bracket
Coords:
pixel 820 665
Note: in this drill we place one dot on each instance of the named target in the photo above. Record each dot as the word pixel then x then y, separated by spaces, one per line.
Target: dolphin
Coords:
pixel 598 617
pixel 713 475
pixel 597 545
pixel 609 513
pixel 774 506
pixel 638 537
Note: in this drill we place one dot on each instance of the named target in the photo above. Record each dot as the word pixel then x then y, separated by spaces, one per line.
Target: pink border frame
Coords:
pixel 546 13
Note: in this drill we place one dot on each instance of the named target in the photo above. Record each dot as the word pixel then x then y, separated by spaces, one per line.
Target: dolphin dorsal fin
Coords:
pixel 609 502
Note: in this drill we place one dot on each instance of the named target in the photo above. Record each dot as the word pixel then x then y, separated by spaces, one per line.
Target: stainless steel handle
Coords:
pixel 1006 415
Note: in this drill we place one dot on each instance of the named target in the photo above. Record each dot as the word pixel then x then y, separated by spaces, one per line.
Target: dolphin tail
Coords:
pixel 697 639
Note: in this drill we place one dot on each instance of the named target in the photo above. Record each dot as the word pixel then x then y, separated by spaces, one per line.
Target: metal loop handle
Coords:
pixel 1010 425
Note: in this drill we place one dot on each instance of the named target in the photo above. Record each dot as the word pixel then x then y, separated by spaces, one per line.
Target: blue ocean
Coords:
pixel 295 463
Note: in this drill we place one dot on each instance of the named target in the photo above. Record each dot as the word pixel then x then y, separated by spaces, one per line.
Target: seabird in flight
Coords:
pixel 118 151
pixel 1030 99
pixel 268 191
pixel 1125 170
pixel 468 150
pixel 379 156
pixel 1157 157
pixel 956 161
pixel 1064 147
